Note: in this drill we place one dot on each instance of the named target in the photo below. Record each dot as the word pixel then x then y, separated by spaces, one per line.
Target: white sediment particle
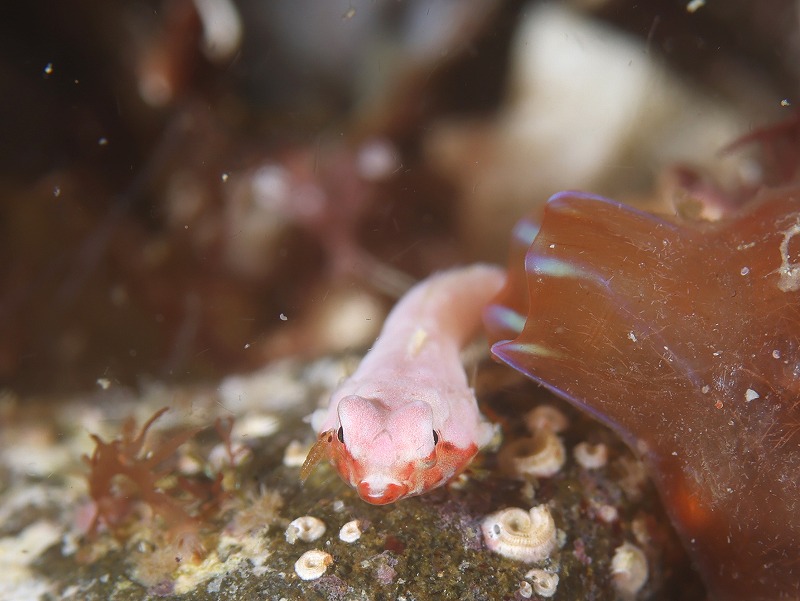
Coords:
pixel 705 389
pixel 312 564
pixel 695 5
pixel 745 270
pixel 306 528
pixel 350 532
pixel 776 354
pixel 751 395
pixel 632 336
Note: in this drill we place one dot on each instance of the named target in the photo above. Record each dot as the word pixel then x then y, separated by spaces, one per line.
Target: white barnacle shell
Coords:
pixel 629 569
pixel 350 532
pixel 546 417
pixel 544 583
pixel 312 564
pixel 306 528
pixel 527 536
pixel 591 456
pixel 540 456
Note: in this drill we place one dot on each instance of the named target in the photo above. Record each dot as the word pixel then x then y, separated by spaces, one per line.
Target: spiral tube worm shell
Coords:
pixel 306 528
pixel 546 417
pixel 591 456
pixel 350 532
pixel 540 456
pixel 312 564
pixel 527 536
pixel 544 583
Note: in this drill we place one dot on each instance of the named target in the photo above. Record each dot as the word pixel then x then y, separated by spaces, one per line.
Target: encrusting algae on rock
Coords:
pixel 245 552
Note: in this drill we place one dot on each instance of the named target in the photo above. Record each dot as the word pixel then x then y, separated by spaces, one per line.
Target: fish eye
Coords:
pixel 340 434
pixel 435 438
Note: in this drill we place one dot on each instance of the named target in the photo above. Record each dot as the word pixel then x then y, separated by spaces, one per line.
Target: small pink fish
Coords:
pixel 407 420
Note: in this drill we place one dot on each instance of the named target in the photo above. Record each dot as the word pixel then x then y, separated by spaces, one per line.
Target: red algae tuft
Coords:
pixel 132 476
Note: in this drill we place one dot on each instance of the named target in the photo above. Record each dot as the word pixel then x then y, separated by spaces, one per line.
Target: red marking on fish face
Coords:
pixel 388 493
pixel 407 479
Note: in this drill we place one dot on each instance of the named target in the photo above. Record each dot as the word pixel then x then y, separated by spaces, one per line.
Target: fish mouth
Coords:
pixel 382 494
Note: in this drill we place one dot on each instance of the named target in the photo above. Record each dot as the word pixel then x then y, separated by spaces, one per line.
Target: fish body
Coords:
pixel 406 421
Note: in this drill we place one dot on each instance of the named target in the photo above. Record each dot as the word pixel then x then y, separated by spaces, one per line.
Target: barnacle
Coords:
pixel 629 569
pixel 540 456
pixel 591 456
pixel 307 528
pixel 312 564
pixel 527 536
pixel 544 583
